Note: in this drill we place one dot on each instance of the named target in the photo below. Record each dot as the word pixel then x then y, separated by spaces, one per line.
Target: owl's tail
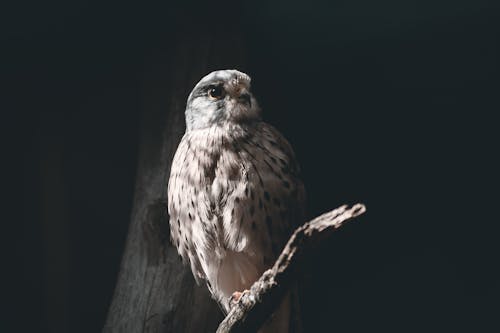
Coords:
pixel 286 319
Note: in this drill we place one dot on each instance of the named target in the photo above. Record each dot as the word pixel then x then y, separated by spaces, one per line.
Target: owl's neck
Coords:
pixel 224 133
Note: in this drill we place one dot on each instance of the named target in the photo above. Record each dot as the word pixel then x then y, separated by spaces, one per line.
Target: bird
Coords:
pixel 234 191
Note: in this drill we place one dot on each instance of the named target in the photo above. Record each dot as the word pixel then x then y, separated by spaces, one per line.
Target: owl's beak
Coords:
pixel 238 87
pixel 239 91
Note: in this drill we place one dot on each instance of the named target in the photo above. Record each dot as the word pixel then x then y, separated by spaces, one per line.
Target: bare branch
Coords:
pixel 255 307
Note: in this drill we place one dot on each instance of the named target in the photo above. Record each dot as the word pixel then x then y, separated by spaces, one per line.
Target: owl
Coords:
pixel 234 193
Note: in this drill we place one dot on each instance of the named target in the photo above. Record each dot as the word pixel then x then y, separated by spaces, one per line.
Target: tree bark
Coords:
pixel 155 292
pixel 255 306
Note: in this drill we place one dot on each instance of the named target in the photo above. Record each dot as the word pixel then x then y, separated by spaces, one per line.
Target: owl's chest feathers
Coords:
pixel 217 151
pixel 221 168
pixel 221 163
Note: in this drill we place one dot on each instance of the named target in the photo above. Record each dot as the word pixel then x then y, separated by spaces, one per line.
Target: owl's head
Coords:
pixel 221 96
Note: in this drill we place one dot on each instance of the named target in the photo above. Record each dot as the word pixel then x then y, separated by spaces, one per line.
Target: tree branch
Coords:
pixel 255 306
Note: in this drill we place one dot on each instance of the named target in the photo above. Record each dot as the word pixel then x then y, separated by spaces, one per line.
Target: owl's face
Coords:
pixel 221 96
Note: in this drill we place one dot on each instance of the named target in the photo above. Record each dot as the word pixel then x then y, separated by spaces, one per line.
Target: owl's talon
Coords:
pixel 236 296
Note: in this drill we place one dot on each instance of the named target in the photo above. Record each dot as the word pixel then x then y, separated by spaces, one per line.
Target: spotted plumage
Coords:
pixel 234 195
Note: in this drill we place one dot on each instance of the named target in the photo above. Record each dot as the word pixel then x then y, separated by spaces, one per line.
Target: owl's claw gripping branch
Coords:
pixel 235 297
pixel 254 307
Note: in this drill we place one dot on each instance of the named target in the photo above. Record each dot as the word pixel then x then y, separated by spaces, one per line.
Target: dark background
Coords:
pixel 390 103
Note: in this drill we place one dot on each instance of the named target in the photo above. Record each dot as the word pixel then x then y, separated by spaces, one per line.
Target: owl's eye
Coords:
pixel 216 92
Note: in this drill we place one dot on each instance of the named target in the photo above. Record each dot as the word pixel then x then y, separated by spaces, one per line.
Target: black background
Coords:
pixel 390 103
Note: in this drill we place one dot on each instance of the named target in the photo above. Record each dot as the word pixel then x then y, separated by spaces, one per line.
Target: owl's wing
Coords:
pixel 269 202
pixel 289 166
pixel 183 206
